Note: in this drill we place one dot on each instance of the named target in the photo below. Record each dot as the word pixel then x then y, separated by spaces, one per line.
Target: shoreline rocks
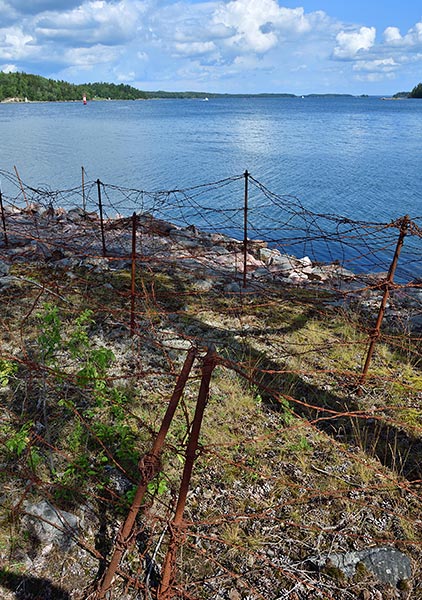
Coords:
pixel 72 238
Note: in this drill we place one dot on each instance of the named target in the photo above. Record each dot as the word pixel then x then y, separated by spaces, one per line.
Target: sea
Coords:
pixel 358 158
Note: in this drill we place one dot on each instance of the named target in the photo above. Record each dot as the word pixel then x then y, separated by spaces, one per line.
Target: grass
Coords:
pixel 278 476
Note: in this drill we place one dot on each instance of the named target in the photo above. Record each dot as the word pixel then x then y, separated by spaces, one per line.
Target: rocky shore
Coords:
pixel 73 238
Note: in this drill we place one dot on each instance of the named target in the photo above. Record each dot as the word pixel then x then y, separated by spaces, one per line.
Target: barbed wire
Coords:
pixel 294 467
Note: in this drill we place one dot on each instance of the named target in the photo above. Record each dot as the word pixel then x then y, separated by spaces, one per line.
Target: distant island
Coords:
pixel 415 93
pixel 24 87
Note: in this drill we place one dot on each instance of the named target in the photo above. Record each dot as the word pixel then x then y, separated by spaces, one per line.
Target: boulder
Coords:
pixel 389 565
pixel 4 268
pixel 50 525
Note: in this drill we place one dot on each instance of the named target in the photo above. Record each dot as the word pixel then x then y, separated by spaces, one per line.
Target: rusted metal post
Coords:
pixel 3 220
pixel 83 190
pixel 245 228
pixel 100 206
pixel 404 226
pixel 210 362
pixel 133 278
pixel 21 186
pixel 149 467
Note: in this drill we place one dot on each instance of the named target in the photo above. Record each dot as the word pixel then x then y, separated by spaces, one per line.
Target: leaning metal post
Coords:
pixel 210 362
pixel 149 466
pixel 21 186
pixel 100 206
pixel 133 278
pixel 404 226
pixel 245 228
pixel 83 190
pixel 3 219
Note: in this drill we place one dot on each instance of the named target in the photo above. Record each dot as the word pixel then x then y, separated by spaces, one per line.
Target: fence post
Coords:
pixel 21 186
pixel 133 278
pixel 245 228
pixel 3 219
pixel 83 190
pixel 210 362
pixel 100 206
pixel 404 226
pixel 148 466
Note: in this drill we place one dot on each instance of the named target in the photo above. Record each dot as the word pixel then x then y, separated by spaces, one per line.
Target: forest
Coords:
pixel 36 88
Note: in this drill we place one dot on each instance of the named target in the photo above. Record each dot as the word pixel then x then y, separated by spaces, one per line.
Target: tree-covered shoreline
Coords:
pixel 24 87
pixel 34 88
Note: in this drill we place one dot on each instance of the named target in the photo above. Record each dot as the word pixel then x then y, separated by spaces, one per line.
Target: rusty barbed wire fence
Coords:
pixel 292 462
pixel 404 226
pixel 149 466
pixel 168 572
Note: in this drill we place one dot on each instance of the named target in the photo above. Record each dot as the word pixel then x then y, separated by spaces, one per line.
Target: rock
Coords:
pixel 75 214
pixel 51 526
pixel 6 282
pixel 283 262
pixel 203 285
pixel 297 278
pixel 389 565
pixel 4 268
pixel 305 261
pixel 177 344
pixel 318 273
pixel 155 226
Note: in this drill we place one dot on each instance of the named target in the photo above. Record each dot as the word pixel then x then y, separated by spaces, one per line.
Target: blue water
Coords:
pixel 357 157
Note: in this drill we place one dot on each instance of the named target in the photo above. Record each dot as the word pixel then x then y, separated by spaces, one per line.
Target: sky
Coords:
pixel 225 46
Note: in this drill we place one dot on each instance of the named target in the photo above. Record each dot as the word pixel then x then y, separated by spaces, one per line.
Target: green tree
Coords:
pixel 416 92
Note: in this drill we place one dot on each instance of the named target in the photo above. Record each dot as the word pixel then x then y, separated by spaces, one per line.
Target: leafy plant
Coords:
pixel 19 440
pixel 7 370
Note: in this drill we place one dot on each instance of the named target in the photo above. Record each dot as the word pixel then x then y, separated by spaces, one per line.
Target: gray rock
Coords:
pixel 4 268
pixel 274 257
pixel 6 282
pixel 389 565
pixel 203 285
pixel 75 214
pixel 50 525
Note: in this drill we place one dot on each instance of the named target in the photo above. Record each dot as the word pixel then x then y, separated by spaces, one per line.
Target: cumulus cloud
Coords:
pixel 392 35
pixel 96 22
pixel 8 68
pixel 239 45
pixel 259 26
pixel 350 43
pixel 14 43
pixel 384 65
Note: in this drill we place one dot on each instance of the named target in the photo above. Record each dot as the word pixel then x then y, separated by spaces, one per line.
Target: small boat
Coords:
pixel 205 99
pixel 84 99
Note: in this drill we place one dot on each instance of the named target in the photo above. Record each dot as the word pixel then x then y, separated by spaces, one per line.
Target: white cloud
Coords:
pixel 350 43
pixel 221 45
pixel 194 48
pixel 14 43
pixel 8 68
pixel 95 22
pixel 259 26
pixel 392 35
pixel 385 65
pixel 87 58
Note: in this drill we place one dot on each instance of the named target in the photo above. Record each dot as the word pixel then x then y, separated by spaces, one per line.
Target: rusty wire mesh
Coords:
pixel 293 462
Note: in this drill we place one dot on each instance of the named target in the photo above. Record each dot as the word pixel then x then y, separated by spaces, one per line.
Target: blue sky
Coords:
pixel 250 46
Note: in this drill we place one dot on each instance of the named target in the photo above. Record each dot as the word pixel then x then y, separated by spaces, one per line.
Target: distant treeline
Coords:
pixel 36 88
